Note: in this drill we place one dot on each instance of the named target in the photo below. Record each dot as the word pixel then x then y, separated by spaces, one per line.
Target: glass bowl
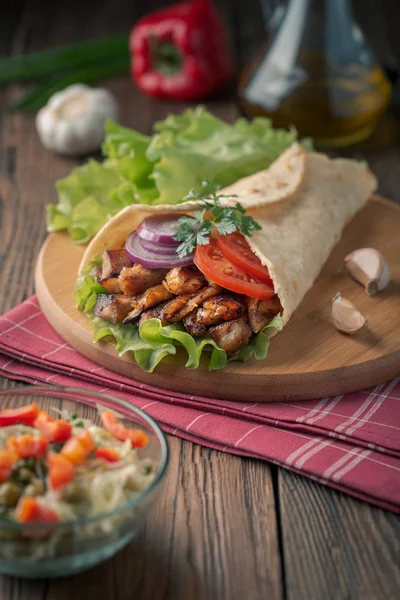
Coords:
pixel 74 546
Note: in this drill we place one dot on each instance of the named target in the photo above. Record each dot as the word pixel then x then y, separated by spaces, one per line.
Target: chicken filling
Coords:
pixel 136 294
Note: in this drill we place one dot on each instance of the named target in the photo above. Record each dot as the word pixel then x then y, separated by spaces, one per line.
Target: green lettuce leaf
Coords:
pixel 151 342
pixel 184 150
pixel 84 206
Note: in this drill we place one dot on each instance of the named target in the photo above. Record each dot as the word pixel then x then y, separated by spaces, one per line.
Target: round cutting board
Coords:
pixel 308 359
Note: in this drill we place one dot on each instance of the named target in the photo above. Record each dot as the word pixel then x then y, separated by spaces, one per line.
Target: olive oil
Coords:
pixel 317 74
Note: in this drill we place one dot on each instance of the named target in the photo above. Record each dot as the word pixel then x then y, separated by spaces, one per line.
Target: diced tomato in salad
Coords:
pixel 137 437
pixel 108 453
pixel 78 448
pixel 27 446
pixel 29 510
pixel 54 430
pixel 61 470
pixel 19 416
pixel 8 458
pixel 58 447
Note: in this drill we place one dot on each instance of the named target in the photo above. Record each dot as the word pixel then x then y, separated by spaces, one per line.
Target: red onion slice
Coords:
pixel 159 248
pixel 160 228
pixel 150 259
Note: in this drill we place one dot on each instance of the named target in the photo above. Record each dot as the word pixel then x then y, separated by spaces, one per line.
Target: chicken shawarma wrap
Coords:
pixel 223 271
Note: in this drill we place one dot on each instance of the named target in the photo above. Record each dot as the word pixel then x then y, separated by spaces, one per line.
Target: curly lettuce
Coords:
pixel 163 168
pixel 152 342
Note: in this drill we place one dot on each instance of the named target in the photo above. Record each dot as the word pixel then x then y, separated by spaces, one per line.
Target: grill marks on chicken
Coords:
pixel 152 313
pixel 150 298
pixel 261 312
pixel 178 308
pixel 231 335
pixel 192 325
pixel 113 307
pixel 179 294
pixel 220 308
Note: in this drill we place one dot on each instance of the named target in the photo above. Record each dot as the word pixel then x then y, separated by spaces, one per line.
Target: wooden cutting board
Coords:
pixel 308 359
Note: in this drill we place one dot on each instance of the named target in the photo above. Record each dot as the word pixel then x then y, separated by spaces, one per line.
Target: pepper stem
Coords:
pixel 165 56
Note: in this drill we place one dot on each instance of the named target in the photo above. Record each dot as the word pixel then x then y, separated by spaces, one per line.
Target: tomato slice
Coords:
pixel 108 453
pixel 14 416
pixel 219 269
pixel 111 422
pixel 236 248
pixel 28 446
pixel 54 430
pixel 61 470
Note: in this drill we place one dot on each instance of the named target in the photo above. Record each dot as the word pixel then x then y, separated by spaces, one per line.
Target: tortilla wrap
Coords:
pixel 302 202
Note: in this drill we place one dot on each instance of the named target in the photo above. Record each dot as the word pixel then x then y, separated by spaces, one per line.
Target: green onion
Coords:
pixel 37 97
pixel 31 66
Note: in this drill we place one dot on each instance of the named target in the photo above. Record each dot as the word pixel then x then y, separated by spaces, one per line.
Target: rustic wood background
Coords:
pixel 225 528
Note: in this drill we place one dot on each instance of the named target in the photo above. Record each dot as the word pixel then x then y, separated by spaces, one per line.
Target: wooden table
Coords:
pixel 225 528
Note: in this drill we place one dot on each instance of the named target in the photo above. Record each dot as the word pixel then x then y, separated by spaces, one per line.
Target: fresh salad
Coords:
pixel 67 468
pixel 161 169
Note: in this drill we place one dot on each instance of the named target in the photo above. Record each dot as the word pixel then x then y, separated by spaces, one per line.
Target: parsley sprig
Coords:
pixel 195 230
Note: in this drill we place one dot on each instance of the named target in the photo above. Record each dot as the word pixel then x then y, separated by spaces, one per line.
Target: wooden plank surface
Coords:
pixel 226 528
pixel 330 545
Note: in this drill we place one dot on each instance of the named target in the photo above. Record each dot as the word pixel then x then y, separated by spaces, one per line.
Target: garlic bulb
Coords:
pixel 72 122
pixel 345 315
pixel 368 267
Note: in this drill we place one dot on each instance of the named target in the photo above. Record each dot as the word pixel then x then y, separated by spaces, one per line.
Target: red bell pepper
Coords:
pixel 181 52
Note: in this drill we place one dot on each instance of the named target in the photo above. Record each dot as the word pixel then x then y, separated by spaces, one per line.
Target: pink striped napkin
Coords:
pixel 350 442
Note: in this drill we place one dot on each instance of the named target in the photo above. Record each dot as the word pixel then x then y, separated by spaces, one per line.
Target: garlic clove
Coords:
pixel 72 122
pixel 368 267
pixel 346 317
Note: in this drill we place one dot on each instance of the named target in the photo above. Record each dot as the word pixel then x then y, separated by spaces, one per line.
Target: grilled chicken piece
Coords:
pixel 113 262
pixel 152 313
pixel 137 279
pixel 150 298
pixel 184 280
pixel 177 309
pixel 113 308
pixel 261 312
pixel 231 335
pixel 220 308
pixel 111 284
pixel 192 324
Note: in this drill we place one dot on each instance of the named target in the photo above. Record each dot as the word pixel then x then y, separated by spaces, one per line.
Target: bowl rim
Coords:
pixel 63 391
